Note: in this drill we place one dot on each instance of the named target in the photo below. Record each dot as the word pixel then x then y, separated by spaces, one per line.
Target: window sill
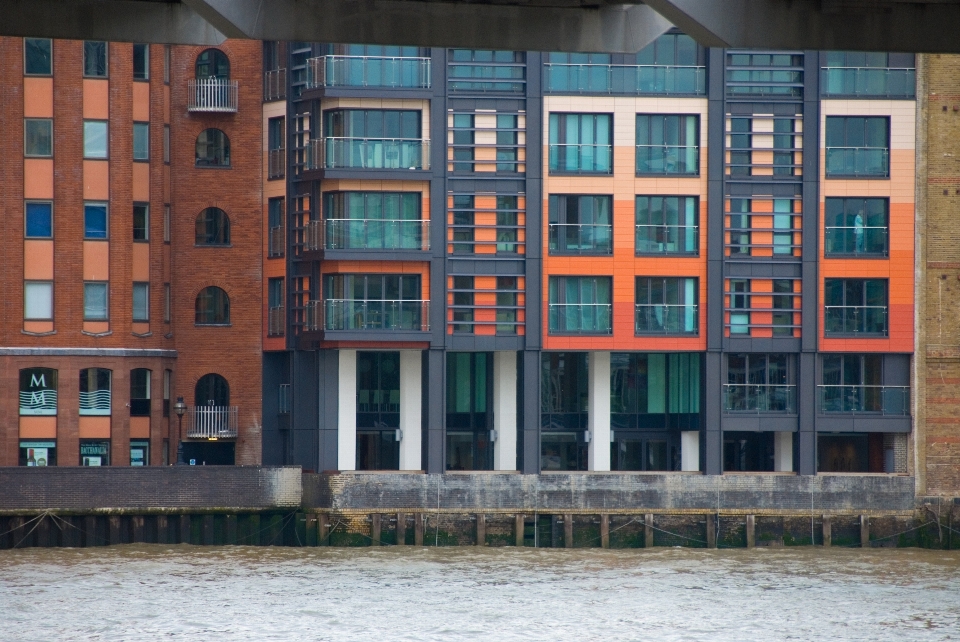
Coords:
pixel 37 155
pixel 858 177
pixel 221 245
pixel 856 255
pixel 679 255
pixel 856 335
pixel 562 333
pixel 554 172
pixel 590 254
pixel 668 174
pixel 201 166
pixel 213 325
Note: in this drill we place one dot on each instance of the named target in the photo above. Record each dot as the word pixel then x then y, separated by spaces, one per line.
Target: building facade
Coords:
pixel 686 259
pixel 132 262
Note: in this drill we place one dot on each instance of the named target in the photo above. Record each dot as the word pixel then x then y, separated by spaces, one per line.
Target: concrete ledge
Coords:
pixel 611 493
pixel 153 489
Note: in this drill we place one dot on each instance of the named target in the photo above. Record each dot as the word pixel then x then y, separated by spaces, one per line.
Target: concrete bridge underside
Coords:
pixel 546 25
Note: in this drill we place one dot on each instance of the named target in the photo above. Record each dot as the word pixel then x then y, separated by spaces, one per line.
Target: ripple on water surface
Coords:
pixel 147 592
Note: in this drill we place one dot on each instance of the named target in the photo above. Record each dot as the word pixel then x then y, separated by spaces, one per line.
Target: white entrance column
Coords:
pixel 505 410
pixel 347 411
pixel 598 416
pixel 411 390
pixel 783 452
pixel 690 450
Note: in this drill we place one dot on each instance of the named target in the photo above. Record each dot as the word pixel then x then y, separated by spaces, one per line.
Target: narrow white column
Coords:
pixel 505 410
pixel 598 418
pixel 690 450
pixel 783 452
pixel 411 384
pixel 347 411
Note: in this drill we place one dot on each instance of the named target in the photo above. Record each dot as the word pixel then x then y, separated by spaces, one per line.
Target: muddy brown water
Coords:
pixel 154 592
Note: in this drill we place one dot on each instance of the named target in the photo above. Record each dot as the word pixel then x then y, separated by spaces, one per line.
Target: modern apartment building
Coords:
pixel 686 259
pixel 132 258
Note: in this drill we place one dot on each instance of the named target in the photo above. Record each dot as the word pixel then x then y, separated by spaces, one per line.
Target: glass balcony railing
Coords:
pixel 369 153
pixel 886 400
pixel 856 241
pixel 858 161
pixel 869 82
pixel 577 158
pixel 667 239
pixel 666 318
pixel 759 397
pixel 376 234
pixel 668 159
pixel 368 71
pixel 572 238
pixel 855 319
pixel 624 79
pixel 362 314
pixel 581 318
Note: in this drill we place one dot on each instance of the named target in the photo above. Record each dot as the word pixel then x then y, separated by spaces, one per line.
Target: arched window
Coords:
pixel 213 227
pixel 213 307
pixel 95 391
pixel 213 149
pixel 213 63
pixel 212 390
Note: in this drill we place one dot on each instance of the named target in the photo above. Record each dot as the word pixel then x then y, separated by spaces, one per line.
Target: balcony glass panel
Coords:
pixel 855 319
pixel 389 315
pixel 578 238
pixel 369 71
pixel 887 400
pixel 375 153
pixel 760 398
pixel 662 318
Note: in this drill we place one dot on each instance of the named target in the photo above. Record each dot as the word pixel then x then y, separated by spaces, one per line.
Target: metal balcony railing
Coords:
pixel 858 161
pixel 277 242
pixel 212 95
pixel 759 397
pixel 668 159
pixel 365 314
pixel 581 318
pixel 376 234
pixel 276 163
pixel 667 239
pixel 369 153
pixel 667 318
pixel 312 316
pixel 625 79
pixel 885 400
pixel 574 238
pixel 274 84
pixel 275 322
pixel 581 158
pixel 856 240
pixel 368 71
pixel 313 236
pixel 884 82
pixel 213 422
pixel 855 319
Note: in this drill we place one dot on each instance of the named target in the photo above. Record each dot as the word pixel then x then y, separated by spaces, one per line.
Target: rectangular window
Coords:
pixel 580 304
pixel 37 301
pixel 855 306
pixel 275 292
pixel 783 146
pixel 166 223
pixel 374 302
pixel 141 302
pixel 581 143
pixel 139 452
pixel 507 143
pixel 463 218
pixel 141 141
pixel 783 300
pixel 507 304
pixel 739 306
pixel 95 392
pixel 94 139
pixel 580 224
pixel 856 226
pixel 365 221
pixel 481 71
pixel 507 225
pixel 666 305
pixel 668 144
pixel 166 143
pixel 37 56
pixel 858 146
pixel 782 220
pixel 463 137
pixel 167 377
pixel 275 133
pixel 38 392
pixel 668 225
pixel 139 392
pixel 141 222
pixel 760 383
pixel 854 383
pixel 166 303
pixel 38 137
pixel 463 297
pixel 94 221
pixel 38 222
pixel 38 453
pixel 95 301
pixel 141 62
pixel 166 64
pixel 94 59
pixel 741 143
pixel 739 226
pixel 374 139
pixel 94 453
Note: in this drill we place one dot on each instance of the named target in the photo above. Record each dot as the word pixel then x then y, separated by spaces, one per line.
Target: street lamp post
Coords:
pixel 180 408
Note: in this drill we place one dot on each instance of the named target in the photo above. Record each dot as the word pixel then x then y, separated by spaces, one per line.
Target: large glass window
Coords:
pixel 468 420
pixel 141 62
pixel 581 143
pixel 374 302
pixel 868 74
pixel 212 307
pixel 580 305
pixel 855 306
pixel 856 226
pixel 563 410
pixel 94 59
pixel 37 56
pixel 373 220
pixel 38 391
pixel 671 64
pixel 667 225
pixel 38 222
pixel 94 453
pixel 760 383
pixel 141 222
pixel 38 453
pixel 580 224
pixel 212 227
pixel 858 146
pixel 212 389
pixel 95 296
pixel 38 137
pixel 95 389
pixel 853 383
pixel 373 138
pixel 212 63
pixel 666 305
pixel 484 70
pixel 95 139
pixel 654 391
pixel 668 144
pixel 764 74
pixel 378 410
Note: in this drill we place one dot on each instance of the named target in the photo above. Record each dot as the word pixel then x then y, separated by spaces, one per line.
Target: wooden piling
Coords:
pixel 604 531
pixel 185 529
pixel 163 535
pixel 418 529
pixel 481 529
pixel 138 529
pixel 827 531
pixel 518 521
pixel 230 528
pixel 711 531
pixel 568 531
pixel 751 531
pixel 648 530
pixel 375 529
pixel 401 529
pixel 114 530
pixel 864 531
pixel 323 529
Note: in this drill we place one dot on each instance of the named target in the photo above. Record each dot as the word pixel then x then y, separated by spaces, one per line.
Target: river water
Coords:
pixel 152 592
